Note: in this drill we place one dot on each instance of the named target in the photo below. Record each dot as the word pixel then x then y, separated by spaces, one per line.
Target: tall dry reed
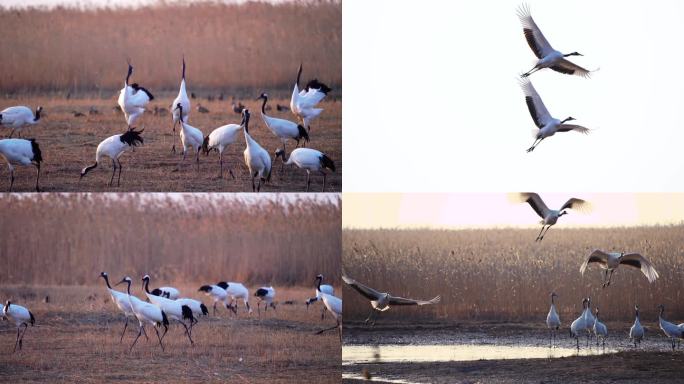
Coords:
pixel 504 275
pixel 227 46
pixel 69 239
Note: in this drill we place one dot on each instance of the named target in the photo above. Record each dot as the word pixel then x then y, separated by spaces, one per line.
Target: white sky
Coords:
pixel 108 3
pixel 487 210
pixel 432 101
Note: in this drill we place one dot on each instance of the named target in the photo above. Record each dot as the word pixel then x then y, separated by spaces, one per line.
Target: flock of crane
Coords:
pixel 587 321
pixel 133 99
pixel 164 304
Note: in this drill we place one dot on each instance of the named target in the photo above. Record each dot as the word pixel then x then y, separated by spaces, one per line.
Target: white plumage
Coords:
pixel 168 292
pixel 236 291
pixel 547 124
pixel 20 316
pixel 21 152
pixel 553 320
pixel 175 310
pixel 381 301
pixel 216 293
pixel 320 288
pixel 636 332
pixel 549 216
pixel 256 157
pixel 147 314
pixel 18 117
pixel 191 138
pixel 183 113
pixel 283 129
pixel 310 160
pixel 579 324
pixel 113 147
pixel 609 261
pixel 133 99
pixel 303 102
pixel 334 306
pixel 671 330
pixel 600 330
pixel 267 295
pixel 122 302
pixel 548 57
pixel 219 139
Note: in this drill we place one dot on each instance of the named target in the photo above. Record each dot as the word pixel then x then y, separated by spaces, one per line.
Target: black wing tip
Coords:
pixel 302 132
pixel 205 288
pixel 33 319
pixel 327 162
pixel 204 309
pixel 131 137
pixel 35 148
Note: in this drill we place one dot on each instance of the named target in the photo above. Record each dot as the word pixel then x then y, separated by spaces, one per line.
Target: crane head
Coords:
pixel 280 152
pixel 263 95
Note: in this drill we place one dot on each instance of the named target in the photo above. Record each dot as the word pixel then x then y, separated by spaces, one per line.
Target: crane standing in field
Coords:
pixel 381 301
pixel 600 330
pixel 191 137
pixel 548 57
pixel 310 160
pixel 320 288
pixel 283 129
pixel 180 114
pixel 20 316
pixel 553 320
pixel 18 117
pixel 256 157
pixel 636 332
pixel 219 139
pixel 267 295
pixel 671 330
pixel 146 313
pixel 610 261
pixel 332 304
pixel 549 216
pixel 21 152
pixel 122 302
pixel 113 147
pixel 547 125
pixel 133 99
pixel 579 324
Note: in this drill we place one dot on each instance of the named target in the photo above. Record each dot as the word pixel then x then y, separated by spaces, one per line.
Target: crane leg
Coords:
pixel 11 177
pixel 118 180
pixel 610 277
pixel 187 332
pixel 324 177
pixel 197 159
pixel 173 148
pixel 308 180
pixel 111 180
pixel 37 177
pixel 16 342
pixel 577 340
pixel 160 338
pixel 220 176
pixel 544 234
pixel 144 332
pixel 140 330
pixel 11 133
pixel 328 329
pixel 124 330
pixel 214 313
pixel 540 232
pixel 259 308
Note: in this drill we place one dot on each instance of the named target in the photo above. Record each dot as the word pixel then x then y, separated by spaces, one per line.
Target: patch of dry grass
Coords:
pixel 504 275
pixel 76 338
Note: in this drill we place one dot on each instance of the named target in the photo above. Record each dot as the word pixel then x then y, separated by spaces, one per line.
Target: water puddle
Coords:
pixel 350 376
pixel 356 354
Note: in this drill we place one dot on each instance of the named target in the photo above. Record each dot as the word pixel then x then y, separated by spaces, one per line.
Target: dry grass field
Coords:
pixel 76 339
pixel 503 275
pixel 204 238
pixel 68 144
pixel 227 46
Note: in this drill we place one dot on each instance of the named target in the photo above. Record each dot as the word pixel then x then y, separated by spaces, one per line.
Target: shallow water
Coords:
pixel 356 354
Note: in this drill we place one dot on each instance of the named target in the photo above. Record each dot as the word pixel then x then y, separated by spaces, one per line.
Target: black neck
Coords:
pixel 184 68
pixel 263 105
pixel 146 285
pixel 106 279
pixel 37 115
pixel 299 74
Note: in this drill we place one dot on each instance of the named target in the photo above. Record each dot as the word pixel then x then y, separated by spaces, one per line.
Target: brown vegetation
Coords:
pixel 226 46
pixel 502 274
pixel 70 239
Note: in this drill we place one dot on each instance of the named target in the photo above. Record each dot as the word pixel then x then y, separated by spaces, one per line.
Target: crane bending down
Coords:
pixel 381 301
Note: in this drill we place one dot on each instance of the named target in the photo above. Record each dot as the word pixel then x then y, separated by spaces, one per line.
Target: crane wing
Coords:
pixel 577 204
pixel 569 68
pixel 540 115
pixel 636 260
pixel 402 301
pixel 573 127
pixel 367 292
pixel 597 256
pixel 535 39
pixel 535 202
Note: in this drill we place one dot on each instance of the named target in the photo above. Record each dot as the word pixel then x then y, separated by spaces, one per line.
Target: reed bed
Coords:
pixel 226 46
pixel 503 275
pixel 68 239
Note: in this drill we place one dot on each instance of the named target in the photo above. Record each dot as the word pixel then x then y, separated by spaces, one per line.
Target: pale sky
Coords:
pixel 487 210
pixel 432 101
pixel 109 3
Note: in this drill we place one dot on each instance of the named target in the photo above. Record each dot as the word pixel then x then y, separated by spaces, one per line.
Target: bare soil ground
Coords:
pixel 76 339
pixel 653 362
pixel 68 144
